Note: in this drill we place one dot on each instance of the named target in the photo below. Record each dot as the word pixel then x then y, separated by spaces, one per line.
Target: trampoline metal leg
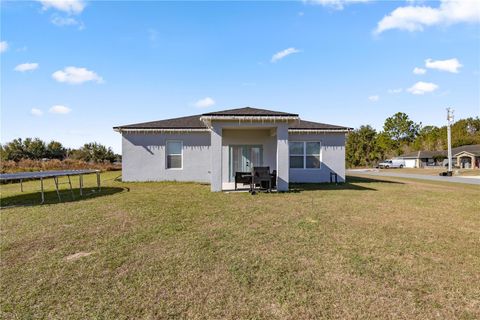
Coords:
pixel 71 189
pixel 80 183
pixel 56 187
pixel 21 185
pixel 98 181
pixel 41 188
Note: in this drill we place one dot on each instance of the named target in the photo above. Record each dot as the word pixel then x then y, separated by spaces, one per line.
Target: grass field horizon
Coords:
pixel 370 248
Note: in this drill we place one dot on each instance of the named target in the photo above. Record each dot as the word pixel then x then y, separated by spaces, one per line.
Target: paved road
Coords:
pixel 374 172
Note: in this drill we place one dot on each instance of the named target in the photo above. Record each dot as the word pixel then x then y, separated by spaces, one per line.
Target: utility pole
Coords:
pixel 449 139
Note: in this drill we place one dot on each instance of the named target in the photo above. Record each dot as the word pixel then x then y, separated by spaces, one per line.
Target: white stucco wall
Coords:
pixel 332 158
pixel 144 158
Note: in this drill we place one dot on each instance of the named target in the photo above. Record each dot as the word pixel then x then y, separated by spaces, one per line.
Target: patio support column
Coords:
pixel 282 157
pixel 216 153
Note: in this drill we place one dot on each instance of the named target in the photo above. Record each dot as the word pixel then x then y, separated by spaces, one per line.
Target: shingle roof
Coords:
pixel 309 125
pixel 190 122
pixel 193 122
pixel 473 149
pixel 250 112
pixel 423 154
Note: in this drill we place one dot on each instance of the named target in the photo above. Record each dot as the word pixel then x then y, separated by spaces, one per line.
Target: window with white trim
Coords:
pixel 304 154
pixel 174 154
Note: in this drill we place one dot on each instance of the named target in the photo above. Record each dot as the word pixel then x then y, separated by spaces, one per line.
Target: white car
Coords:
pixel 391 163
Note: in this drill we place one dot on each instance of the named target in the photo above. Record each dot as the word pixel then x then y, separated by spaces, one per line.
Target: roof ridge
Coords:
pixel 249 111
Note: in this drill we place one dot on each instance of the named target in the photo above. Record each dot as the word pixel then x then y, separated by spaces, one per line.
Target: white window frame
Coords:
pixel 173 154
pixel 305 156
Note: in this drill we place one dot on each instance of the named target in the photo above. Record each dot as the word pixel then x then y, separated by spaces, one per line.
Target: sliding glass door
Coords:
pixel 244 157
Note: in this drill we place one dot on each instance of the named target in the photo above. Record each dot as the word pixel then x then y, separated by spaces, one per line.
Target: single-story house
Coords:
pixel 465 157
pixel 211 147
pixel 421 159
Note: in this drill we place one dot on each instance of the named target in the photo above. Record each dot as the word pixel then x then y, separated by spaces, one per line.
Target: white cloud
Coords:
pixel 374 98
pixel 3 46
pixel 450 65
pixel 74 75
pixel 36 112
pixel 416 18
pixel 336 4
pixel 59 109
pixel 421 88
pixel 395 91
pixel 205 103
pixel 418 70
pixel 26 67
pixel 68 6
pixel 282 54
pixel 67 21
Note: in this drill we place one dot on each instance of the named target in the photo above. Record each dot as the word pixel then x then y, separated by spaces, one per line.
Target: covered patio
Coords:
pixel 239 143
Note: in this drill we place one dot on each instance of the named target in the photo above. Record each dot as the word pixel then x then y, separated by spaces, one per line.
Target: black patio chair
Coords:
pixel 261 177
pixel 274 179
pixel 243 178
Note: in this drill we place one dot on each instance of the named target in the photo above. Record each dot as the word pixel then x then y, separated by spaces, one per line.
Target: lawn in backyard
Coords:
pixel 389 248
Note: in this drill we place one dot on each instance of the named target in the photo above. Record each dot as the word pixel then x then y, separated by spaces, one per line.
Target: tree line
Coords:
pixel 366 147
pixel 37 149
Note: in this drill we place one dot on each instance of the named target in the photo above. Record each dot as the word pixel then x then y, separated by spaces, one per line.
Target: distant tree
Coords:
pixel 362 148
pixel 34 149
pixel 387 146
pixel 429 138
pixel 3 154
pixel 93 152
pixel 399 127
pixel 401 130
pixel 466 132
pixel 14 150
pixel 55 150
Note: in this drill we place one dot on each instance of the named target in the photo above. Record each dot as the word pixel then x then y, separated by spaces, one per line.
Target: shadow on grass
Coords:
pixel 357 179
pixel 353 183
pixel 34 198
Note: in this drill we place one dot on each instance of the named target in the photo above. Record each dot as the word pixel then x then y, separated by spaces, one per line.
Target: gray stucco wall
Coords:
pixel 144 158
pixel 332 157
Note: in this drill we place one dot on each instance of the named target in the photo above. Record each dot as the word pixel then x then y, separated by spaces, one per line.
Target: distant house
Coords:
pixel 467 157
pixel 213 147
pixel 421 159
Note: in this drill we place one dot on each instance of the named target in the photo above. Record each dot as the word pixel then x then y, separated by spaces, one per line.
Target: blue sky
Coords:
pixel 71 70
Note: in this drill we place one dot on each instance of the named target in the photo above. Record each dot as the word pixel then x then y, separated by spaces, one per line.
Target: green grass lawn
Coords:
pixel 390 248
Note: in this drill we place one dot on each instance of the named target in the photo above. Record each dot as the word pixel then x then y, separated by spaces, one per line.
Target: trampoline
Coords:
pixel 40 175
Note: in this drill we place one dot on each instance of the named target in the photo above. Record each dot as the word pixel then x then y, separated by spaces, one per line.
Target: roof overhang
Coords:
pixel 160 130
pixel 310 131
pixel 193 130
